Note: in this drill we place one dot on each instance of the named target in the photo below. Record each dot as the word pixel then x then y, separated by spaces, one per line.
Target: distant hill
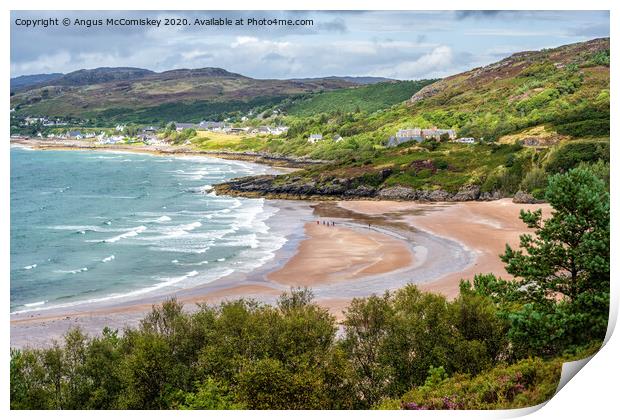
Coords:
pixel 101 75
pixel 131 94
pixel 25 82
pixel 358 80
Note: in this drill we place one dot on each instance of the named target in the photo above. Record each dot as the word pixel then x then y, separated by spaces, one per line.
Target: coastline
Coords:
pixel 430 244
pixel 283 163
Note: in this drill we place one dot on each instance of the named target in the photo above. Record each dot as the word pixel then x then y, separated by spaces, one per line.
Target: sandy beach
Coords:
pixel 374 246
pixel 335 253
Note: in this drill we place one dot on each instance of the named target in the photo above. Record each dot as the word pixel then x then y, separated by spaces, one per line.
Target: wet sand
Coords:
pixel 484 227
pixel 335 253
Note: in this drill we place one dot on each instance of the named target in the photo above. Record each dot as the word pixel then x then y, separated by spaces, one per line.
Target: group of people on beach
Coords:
pixel 328 223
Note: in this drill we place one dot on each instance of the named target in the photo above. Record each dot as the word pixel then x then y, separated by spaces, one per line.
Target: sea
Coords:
pixel 91 226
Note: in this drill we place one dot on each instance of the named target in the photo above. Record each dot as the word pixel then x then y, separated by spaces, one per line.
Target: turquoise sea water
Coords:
pixel 95 226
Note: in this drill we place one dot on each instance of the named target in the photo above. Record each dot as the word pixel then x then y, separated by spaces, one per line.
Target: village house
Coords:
pixel 185 126
pixel 212 125
pixel 314 138
pixel 419 135
pixel 115 139
pixel 337 138
pixel 33 120
pixel 150 129
pixel 75 134
pixel 436 133
pixel 263 129
pixel 465 140
pixel 281 129
pixel 238 130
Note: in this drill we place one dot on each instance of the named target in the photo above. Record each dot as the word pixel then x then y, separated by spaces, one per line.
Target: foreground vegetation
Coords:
pixel 500 344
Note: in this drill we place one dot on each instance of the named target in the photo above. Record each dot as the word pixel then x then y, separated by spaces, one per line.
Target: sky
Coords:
pixel 395 44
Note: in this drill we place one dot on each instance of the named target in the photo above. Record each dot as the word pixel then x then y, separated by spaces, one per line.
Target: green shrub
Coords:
pixel 535 182
pixel 571 154
pixel 600 58
pixel 587 128
pixel 524 384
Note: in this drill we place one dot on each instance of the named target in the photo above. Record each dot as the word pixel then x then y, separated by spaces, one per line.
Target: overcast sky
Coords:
pixel 402 45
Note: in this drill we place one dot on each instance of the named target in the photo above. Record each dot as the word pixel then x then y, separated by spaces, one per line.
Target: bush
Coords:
pixel 524 384
pixel 393 340
pixel 569 155
pixel 600 58
pixel 535 182
pixel 587 128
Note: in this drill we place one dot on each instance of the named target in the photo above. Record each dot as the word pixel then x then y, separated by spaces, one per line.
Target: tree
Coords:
pixel 560 297
pixel 209 395
pixel 569 254
pixel 393 340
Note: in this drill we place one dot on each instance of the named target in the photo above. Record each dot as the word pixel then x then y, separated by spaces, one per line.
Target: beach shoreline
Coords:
pixel 283 164
pixel 374 246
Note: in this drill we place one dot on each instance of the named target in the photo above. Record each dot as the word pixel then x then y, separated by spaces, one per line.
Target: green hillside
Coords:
pixel 551 100
pixel 369 98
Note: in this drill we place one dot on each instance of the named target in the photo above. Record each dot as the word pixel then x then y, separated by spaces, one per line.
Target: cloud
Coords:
pixel 594 30
pixel 336 25
pixel 435 62
pixel 477 14
pixel 402 44
pixel 509 32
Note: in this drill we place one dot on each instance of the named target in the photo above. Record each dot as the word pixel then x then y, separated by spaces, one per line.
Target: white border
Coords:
pixel 592 394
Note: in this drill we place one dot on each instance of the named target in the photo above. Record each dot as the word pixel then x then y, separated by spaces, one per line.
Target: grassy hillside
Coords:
pixel 565 88
pixel 368 98
pixel 556 100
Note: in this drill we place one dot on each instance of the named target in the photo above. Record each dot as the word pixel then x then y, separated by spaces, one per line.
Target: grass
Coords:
pixel 367 99
pixel 545 135
pixel 207 140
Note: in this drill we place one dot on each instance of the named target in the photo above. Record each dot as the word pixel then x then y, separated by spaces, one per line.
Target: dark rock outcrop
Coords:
pixel 397 193
pixel 522 197
pixel 297 187
pixel 467 193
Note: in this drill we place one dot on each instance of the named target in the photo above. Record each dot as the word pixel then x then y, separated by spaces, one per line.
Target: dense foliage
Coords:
pixel 526 383
pixel 368 99
pixel 498 345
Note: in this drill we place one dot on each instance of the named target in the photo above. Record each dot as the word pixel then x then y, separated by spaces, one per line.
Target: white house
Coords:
pixel 281 129
pixel 466 140
pixel 314 138
pixel 75 135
